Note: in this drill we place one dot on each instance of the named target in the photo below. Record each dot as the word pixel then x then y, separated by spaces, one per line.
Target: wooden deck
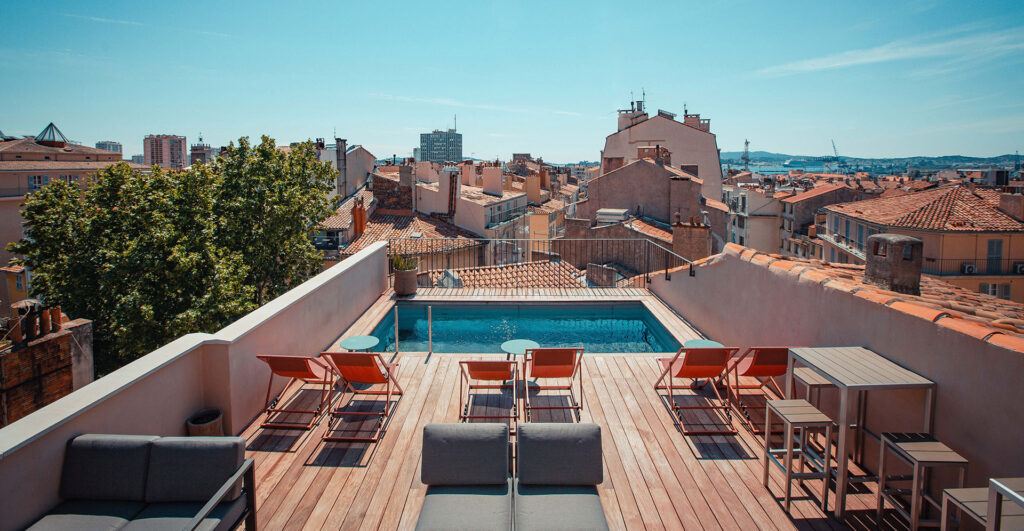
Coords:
pixel 655 477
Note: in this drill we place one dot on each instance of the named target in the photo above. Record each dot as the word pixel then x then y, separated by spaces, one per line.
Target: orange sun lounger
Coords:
pixel 694 364
pixel 306 369
pixel 496 372
pixel 364 368
pixel 564 363
pixel 765 364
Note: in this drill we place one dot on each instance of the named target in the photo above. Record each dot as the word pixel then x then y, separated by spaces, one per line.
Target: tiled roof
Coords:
pixel 383 226
pixel 982 316
pixel 522 275
pixel 949 208
pixel 814 192
pixel 29 145
pixel 342 217
pixel 54 165
pixel 650 228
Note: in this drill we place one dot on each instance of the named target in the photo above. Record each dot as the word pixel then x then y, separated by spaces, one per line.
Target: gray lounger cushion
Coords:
pixel 465 454
pixel 466 507
pixel 160 516
pixel 560 454
pixel 106 467
pixel 89 515
pixel 191 469
pixel 551 507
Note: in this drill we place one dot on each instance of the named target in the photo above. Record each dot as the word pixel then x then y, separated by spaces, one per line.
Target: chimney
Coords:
pixel 468 175
pixel 893 262
pixel 492 180
pixel 1012 205
pixel 533 188
pixel 341 161
pixel 405 175
pixel 545 179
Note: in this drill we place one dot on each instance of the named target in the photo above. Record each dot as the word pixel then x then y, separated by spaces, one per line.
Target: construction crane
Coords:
pixel 840 165
pixel 746 155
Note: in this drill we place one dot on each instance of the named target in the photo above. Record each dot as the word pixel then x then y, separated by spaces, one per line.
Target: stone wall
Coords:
pixel 391 195
pixel 692 242
pixel 40 371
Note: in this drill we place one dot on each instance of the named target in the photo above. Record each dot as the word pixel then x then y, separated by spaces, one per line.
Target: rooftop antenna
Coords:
pixel 456 125
pixel 684 108
pixel 200 137
pixel 746 155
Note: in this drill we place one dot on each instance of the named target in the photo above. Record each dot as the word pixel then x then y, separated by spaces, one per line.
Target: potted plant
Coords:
pixel 405 273
pixel 206 422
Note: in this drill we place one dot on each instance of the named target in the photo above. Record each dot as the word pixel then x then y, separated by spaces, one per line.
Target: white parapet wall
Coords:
pixel 156 393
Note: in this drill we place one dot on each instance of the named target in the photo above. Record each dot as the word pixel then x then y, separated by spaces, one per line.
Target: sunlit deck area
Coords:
pixel 655 477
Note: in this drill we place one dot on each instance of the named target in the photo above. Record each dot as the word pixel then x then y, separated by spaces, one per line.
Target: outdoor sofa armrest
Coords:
pixel 246 473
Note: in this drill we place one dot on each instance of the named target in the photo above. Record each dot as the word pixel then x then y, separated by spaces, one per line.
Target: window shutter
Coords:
pixel 1004 291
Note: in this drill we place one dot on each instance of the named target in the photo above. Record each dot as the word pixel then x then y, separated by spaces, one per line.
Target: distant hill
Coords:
pixel 943 161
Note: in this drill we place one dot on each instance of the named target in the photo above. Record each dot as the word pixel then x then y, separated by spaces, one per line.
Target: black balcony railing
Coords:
pixel 495 218
pixel 973 266
pixel 537 263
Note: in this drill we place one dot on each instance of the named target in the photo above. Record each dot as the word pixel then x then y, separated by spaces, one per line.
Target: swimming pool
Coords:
pixel 482 328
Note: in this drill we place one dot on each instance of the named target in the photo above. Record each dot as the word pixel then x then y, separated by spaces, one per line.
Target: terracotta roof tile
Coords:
pixel 814 192
pixel 950 208
pixel 650 228
pixel 342 217
pixel 419 233
pixel 521 275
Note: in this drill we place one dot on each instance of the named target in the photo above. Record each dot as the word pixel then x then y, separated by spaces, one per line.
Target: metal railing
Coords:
pixel 536 263
pixel 498 217
pixel 973 266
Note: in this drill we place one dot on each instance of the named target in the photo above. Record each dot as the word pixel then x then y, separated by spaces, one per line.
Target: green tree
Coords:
pixel 151 257
pixel 268 205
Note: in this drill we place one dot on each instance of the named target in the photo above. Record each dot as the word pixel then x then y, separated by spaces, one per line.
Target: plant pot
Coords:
pixel 405 282
pixel 205 423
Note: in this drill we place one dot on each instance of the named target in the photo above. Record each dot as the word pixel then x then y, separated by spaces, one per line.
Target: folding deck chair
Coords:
pixel 696 363
pixel 474 371
pixel 363 368
pixel 306 369
pixel 555 363
pixel 764 364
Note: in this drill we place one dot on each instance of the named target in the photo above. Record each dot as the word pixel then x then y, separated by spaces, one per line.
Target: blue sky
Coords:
pixel 881 78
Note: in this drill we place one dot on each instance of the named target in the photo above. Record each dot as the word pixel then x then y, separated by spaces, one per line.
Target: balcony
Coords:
pixel 500 217
pixel 15 191
pixel 654 475
pixel 973 266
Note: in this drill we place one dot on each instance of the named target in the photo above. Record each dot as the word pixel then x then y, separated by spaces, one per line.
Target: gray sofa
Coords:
pixel 466 469
pixel 142 482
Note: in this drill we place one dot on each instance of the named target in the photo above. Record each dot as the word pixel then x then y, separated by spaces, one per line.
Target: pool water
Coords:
pixel 482 328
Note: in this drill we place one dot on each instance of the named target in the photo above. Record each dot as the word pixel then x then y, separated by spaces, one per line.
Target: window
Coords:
pixel 741 240
pixel 831 254
pixel 741 222
pixel 995 257
pixel 19 283
pixel 908 252
pixel 996 290
pixel 860 237
pixel 36 182
pixel 743 203
pixel 835 225
pixel 846 229
pixel 879 249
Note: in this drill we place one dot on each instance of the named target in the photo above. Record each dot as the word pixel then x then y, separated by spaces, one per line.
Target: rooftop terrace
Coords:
pixel 655 477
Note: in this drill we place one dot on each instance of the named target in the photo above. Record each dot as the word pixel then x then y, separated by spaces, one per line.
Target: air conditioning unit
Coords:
pixel 1018 268
pixel 968 269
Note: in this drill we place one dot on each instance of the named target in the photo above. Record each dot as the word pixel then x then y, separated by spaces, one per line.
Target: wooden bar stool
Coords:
pixel 799 415
pixel 813 382
pixel 921 452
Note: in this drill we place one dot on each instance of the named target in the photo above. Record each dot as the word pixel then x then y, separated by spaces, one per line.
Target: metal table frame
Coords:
pixel 856 370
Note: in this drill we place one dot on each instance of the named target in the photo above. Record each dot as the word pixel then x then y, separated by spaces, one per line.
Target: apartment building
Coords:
pixel 754 214
pixel 693 146
pixel 109 145
pixel 167 151
pixel 354 163
pixel 441 146
pixel 797 226
pixel 972 238
pixel 30 163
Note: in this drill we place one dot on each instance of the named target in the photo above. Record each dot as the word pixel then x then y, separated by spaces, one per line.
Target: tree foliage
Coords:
pixel 150 257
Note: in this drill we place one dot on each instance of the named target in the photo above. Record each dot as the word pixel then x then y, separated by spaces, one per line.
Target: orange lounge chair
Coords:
pixel 764 364
pixel 307 370
pixel 364 368
pixel 490 371
pixel 697 363
pixel 555 363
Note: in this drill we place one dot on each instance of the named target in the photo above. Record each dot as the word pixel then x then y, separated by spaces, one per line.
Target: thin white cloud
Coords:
pixel 103 20
pixel 959 51
pixel 448 102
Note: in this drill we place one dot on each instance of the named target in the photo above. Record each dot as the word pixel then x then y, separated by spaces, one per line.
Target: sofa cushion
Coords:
pixel 466 507
pixel 560 454
pixel 465 454
pixel 558 507
pixel 89 515
pixel 191 469
pixel 106 467
pixel 159 516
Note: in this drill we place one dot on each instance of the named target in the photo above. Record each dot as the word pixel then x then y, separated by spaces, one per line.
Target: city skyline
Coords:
pixel 915 79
